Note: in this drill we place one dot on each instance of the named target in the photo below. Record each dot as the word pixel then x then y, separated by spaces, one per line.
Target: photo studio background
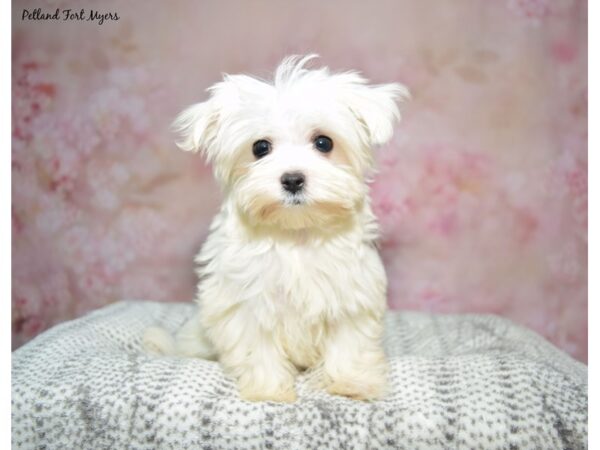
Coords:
pixel 481 195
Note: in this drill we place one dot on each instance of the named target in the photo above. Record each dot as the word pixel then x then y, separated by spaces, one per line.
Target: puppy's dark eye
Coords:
pixel 261 148
pixel 324 144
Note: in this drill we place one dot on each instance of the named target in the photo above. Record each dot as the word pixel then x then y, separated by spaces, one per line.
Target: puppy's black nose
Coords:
pixel 292 181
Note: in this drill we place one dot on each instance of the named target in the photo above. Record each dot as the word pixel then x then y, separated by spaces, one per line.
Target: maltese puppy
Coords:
pixel 290 274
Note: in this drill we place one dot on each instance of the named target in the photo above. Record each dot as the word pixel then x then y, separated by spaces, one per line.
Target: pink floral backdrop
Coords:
pixel 482 195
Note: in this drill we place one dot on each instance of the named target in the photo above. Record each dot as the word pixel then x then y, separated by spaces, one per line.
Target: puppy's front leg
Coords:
pixel 354 361
pixel 256 359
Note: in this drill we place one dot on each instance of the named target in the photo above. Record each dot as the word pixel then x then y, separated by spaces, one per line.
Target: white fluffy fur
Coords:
pixel 288 283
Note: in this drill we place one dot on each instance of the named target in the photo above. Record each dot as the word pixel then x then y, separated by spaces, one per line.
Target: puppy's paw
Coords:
pixel 158 341
pixel 359 381
pixel 281 396
pixel 357 389
pixel 287 396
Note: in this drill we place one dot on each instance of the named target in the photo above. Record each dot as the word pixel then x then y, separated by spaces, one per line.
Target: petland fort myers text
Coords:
pixel 62 15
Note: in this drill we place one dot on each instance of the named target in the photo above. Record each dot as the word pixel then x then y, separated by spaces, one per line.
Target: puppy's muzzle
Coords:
pixel 293 182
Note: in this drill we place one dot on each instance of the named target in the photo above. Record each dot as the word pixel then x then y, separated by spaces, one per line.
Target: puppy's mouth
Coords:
pixel 288 202
pixel 298 211
pixel 292 200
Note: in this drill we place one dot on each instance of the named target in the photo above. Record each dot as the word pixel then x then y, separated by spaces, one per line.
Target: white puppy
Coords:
pixel 290 277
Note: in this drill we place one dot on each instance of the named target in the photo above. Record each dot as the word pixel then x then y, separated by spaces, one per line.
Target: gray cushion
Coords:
pixel 457 381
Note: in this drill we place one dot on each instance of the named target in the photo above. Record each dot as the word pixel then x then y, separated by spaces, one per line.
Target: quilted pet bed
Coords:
pixel 457 381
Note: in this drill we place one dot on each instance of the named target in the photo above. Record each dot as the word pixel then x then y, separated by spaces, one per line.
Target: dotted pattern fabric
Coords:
pixel 457 381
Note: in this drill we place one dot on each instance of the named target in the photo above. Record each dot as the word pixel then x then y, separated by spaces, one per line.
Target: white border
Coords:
pixel 593 223
pixel 5 273
pixel 5 246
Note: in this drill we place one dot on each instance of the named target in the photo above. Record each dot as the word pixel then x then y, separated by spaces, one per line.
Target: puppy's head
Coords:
pixel 293 153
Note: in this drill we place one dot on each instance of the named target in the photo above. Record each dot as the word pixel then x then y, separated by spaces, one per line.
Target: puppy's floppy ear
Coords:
pixel 200 125
pixel 375 107
pixel 196 127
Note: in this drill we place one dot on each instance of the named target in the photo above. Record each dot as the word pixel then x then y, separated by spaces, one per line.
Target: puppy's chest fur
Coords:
pixel 293 286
